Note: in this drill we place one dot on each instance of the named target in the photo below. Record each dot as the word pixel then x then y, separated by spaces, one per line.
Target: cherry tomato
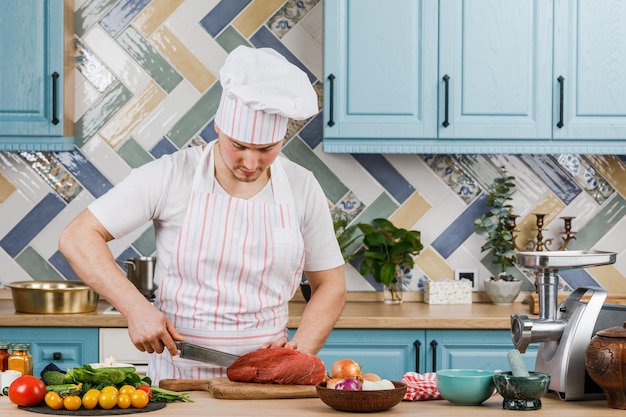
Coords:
pixel 139 399
pixel 147 389
pixel 345 368
pixel 54 400
pixel 107 400
pixel 123 401
pixel 27 391
pixel 72 402
pixel 90 399
pixel 127 389
pixel 110 388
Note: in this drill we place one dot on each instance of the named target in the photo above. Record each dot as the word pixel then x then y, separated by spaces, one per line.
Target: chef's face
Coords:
pixel 246 162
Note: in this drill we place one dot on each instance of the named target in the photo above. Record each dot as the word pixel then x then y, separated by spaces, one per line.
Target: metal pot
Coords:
pixel 140 271
pixel 53 297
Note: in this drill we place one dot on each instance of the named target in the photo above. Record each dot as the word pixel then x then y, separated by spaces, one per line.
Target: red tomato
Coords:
pixel 146 389
pixel 345 368
pixel 27 391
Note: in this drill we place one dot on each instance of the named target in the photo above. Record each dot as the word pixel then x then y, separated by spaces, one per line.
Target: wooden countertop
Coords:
pixel 371 314
pixel 315 407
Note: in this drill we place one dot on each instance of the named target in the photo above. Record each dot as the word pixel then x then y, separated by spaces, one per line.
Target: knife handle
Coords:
pixel 185 384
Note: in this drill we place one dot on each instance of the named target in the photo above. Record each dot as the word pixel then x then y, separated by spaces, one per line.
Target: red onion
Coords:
pixel 349 384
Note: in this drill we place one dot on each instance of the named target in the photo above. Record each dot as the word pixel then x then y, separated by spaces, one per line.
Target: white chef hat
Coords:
pixel 261 91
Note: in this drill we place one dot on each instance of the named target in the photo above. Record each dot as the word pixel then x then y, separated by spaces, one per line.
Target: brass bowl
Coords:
pixel 361 401
pixel 53 297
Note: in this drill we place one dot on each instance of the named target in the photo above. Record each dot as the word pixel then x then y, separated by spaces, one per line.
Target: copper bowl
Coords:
pixel 361 401
pixel 53 297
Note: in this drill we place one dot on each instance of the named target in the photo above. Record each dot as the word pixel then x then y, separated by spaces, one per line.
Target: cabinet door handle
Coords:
pixel 55 78
pixel 433 345
pixel 446 80
pixel 57 356
pixel 331 101
pixel 418 346
pixel 561 81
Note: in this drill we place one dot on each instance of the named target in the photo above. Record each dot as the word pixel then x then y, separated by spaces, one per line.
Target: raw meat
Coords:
pixel 277 366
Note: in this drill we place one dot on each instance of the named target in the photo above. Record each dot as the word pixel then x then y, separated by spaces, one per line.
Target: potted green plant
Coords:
pixel 497 225
pixel 386 249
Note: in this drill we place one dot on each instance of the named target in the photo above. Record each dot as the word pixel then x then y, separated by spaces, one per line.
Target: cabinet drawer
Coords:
pixel 65 347
pixel 115 342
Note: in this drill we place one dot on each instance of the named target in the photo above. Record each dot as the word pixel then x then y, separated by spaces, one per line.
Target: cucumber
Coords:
pixel 518 367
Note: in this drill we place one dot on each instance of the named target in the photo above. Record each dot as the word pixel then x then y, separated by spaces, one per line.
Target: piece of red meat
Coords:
pixel 277 366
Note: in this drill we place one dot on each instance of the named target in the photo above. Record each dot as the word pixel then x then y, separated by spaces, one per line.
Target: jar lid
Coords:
pixel 617 331
pixel 4 345
pixel 20 346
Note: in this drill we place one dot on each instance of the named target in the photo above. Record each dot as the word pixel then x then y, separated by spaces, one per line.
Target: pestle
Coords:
pixel 518 367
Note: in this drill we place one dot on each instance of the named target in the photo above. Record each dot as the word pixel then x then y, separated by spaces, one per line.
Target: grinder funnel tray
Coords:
pixel 564 259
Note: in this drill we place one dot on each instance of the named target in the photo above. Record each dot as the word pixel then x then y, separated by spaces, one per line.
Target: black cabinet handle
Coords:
pixel 446 80
pixel 418 346
pixel 57 356
pixel 433 345
pixel 561 81
pixel 331 101
pixel 55 78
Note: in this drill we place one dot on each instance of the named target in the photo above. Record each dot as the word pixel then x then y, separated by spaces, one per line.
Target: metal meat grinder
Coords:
pixel 565 330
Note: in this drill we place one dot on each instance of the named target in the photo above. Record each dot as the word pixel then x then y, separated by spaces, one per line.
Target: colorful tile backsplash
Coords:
pixel 146 84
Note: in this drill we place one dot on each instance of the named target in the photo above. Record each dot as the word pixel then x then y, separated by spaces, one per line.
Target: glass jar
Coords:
pixel 4 356
pixel 21 359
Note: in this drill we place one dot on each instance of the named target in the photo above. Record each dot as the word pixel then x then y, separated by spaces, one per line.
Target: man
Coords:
pixel 236 225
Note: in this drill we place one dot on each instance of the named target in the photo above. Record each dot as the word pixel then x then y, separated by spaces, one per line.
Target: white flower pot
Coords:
pixel 503 293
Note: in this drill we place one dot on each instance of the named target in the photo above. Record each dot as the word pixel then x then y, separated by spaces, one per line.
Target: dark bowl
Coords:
pixel 522 392
pixel 361 401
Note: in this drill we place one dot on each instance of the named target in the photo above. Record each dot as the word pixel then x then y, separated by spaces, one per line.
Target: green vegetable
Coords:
pixel 97 376
pixel 5 391
pixel 53 378
pixel 165 395
pixel 66 389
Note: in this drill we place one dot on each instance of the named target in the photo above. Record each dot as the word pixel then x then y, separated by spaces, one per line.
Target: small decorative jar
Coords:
pixel 605 362
pixel 21 359
pixel 4 356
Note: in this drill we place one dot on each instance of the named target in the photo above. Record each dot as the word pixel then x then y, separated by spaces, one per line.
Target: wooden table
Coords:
pixel 205 405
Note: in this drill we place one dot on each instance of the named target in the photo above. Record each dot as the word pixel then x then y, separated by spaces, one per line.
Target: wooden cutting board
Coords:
pixel 223 388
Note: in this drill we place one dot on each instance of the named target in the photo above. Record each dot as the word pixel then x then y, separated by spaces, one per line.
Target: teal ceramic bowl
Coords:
pixel 465 386
pixel 522 392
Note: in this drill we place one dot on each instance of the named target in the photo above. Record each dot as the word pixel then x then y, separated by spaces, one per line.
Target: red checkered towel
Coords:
pixel 421 386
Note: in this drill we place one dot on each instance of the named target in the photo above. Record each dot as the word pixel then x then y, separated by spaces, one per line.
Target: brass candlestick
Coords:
pixel 539 244
pixel 569 235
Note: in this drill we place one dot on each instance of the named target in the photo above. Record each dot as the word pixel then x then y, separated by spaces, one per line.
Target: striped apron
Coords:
pixel 236 265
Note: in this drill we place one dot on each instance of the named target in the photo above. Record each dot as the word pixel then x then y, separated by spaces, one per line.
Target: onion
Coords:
pixel 348 384
pixel 371 377
pixel 345 368
pixel 331 382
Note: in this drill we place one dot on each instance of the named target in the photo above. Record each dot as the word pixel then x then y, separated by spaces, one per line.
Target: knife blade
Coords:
pixel 203 354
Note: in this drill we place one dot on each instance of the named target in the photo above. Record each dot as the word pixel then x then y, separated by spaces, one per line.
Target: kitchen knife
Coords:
pixel 206 355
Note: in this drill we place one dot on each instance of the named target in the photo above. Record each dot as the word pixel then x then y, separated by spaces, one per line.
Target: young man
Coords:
pixel 236 225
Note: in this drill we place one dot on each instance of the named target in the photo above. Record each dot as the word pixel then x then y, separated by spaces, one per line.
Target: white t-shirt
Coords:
pixel 160 191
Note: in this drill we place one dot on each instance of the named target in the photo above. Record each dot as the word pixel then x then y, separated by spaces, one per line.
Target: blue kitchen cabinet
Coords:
pixel 65 347
pixel 491 76
pixel 391 353
pixel 590 56
pixel 31 77
pixel 496 58
pixel 473 349
pixel 380 63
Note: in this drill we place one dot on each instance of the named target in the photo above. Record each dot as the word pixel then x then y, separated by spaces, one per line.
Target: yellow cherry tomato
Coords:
pixel 110 388
pixel 123 401
pixel 54 400
pixel 139 399
pixel 127 389
pixel 72 402
pixel 90 399
pixel 107 400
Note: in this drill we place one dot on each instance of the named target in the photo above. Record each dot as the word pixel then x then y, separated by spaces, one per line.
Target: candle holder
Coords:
pixel 569 235
pixel 538 244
